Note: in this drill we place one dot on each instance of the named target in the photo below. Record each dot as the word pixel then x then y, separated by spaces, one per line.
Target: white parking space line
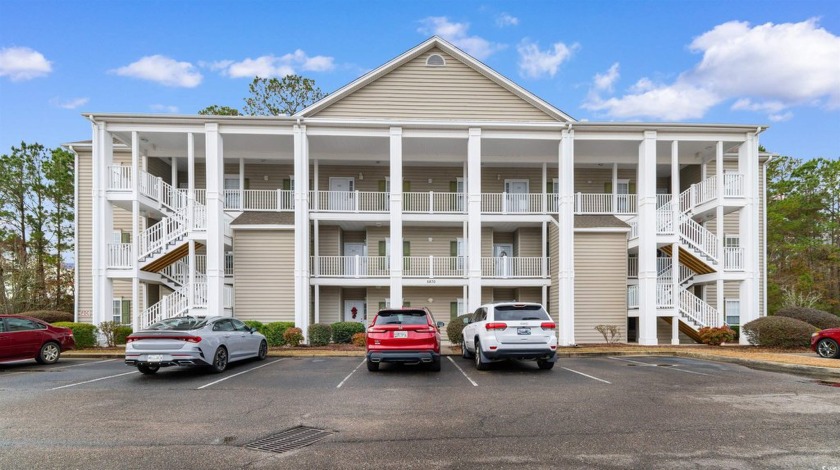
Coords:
pixel 645 364
pixel 586 375
pixel 95 380
pixel 351 373
pixel 462 371
pixel 239 373
pixel 86 364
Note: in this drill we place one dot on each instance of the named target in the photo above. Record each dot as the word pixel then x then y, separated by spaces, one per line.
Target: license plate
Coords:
pixel 400 334
pixel 154 357
pixel 523 331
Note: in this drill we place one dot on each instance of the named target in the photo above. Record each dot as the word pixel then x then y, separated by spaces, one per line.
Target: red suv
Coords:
pixel 404 335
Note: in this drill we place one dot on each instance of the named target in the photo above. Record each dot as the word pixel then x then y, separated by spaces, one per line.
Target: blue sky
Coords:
pixel 757 62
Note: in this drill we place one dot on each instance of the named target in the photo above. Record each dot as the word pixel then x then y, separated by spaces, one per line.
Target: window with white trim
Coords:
pixel 732 309
pixel 435 60
pixel 121 311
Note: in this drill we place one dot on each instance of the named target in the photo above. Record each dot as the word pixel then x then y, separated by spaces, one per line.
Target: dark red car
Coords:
pixel 825 342
pixel 23 337
pixel 403 335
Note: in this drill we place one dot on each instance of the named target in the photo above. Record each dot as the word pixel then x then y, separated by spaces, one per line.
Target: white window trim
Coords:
pixel 443 59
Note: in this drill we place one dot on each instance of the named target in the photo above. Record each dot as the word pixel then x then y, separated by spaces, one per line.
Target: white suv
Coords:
pixel 510 331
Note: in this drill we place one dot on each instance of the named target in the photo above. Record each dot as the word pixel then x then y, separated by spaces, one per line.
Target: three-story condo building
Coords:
pixel 430 181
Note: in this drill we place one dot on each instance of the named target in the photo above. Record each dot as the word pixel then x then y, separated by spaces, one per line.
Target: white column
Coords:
pixel 103 157
pixel 214 158
pixel 396 234
pixel 241 183
pixel 647 239
pixel 474 218
pixel 675 248
pixel 135 231
pixel 615 188
pixel 749 236
pixel 719 228
pixel 566 238
pixel 315 198
pixel 191 276
pixel 190 208
pixel 173 164
pixel 301 167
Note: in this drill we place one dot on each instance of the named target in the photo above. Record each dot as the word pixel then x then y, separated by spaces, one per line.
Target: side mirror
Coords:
pixel 252 330
pixel 440 324
pixel 466 321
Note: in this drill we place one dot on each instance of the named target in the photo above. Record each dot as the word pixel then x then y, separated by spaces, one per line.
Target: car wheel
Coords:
pixel 148 370
pixel 465 353
pixel 372 366
pixel 220 360
pixel 828 348
pixel 263 351
pixel 545 365
pixel 480 363
pixel 435 365
pixel 48 354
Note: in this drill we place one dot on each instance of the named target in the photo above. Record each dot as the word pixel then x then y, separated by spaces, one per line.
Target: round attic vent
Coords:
pixel 435 60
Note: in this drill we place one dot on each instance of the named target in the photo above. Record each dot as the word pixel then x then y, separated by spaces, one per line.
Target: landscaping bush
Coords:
pixel 320 334
pixel 818 318
pixel 343 331
pixel 293 336
pixel 454 330
pixel 83 333
pixel 257 325
pixel 274 332
pixel 715 336
pixel 113 332
pixel 779 332
pixel 121 333
pixel 50 316
pixel 359 339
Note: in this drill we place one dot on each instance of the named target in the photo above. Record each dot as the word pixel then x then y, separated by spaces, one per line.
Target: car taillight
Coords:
pixel 130 340
pixel 192 339
pixel 375 330
pixel 495 326
pixel 548 325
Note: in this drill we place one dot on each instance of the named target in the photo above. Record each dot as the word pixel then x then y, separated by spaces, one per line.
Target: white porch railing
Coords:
pixel 434 202
pixel 664 295
pixel 511 203
pixel 119 177
pixel 632 267
pixel 633 296
pixel 515 267
pixel 169 306
pixel 119 255
pixel 706 190
pixel 350 266
pixel 434 266
pixel 156 237
pixel 605 203
pixel 228 296
pixel 665 219
pixel 701 313
pixel 698 237
pixel 634 228
pixel 201 264
pixel 733 258
pixel 733 185
pixel 259 199
pixel 349 201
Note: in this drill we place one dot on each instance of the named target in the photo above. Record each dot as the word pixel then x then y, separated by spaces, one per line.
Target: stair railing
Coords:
pixel 699 238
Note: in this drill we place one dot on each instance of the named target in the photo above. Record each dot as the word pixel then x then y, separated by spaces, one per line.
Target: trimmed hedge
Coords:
pixel 343 331
pixel 293 336
pixel 274 332
pixel 50 316
pixel 257 325
pixel 121 333
pixel 83 333
pixel 359 339
pixel 819 318
pixel 320 334
pixel 779 332
pixel 454 330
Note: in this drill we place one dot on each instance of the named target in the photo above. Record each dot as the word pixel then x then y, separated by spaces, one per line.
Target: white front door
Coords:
pixel 516 195
pixel 354 261
pixel 341 193
pixel 622 189
pixel 503 252
pixel 355 310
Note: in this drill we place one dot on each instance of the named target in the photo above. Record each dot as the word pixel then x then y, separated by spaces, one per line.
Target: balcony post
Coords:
pixel 648 282
pixel 474 219
pixel 215 219
pixel 431 266
pixel 301 196
pixel 396 175
pixel 431 202
pixel 566 239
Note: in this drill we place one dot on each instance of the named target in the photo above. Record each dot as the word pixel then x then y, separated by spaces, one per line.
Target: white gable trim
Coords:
pixel 450 49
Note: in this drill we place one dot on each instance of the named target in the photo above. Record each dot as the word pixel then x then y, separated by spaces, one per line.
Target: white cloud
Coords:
pixel 164 108
pixel 505 19
pixel 23 63
pixel 766 68
pixel 69 104
pixel 273 66
pixel 535 63
pixel 456 33
pixel 163 70
pixel 605 81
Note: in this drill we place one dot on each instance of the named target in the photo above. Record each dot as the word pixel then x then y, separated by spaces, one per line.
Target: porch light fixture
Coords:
pixel 265 177
pixel 361 176
pixel 431 300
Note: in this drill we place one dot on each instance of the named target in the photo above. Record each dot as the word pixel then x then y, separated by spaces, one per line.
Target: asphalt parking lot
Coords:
pixel 601 412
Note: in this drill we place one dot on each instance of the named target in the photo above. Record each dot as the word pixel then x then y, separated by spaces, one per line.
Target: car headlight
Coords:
pixel 814 334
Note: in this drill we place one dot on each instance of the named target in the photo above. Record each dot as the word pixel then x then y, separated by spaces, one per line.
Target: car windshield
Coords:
pixel 179 323
pixel 521 312
pixel 402 317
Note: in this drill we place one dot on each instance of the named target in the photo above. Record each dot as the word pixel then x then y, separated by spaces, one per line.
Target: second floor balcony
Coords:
pixel 431 267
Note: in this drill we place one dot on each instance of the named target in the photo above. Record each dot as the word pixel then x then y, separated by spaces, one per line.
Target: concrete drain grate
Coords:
pixel 290 439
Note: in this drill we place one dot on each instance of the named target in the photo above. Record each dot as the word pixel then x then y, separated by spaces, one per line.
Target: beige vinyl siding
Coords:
pixel 501 294
pixel 664 332
pixel 441 298
pixel 254 173
pixel 486 242
pixel 486 295
pixel 372 175
pixel 84 240
pixel 442 177
pixel 440 246
pixel 593 180
pixel 554 267
pixel 688 176
pixel 159 168
pixel 528 242
pixel 454 91
pixel 353 237
pixel 600 284
pixel 329 240
pixel 502 237
pixel 264 273
pixel 331 305
pixel 529 294
pixel 493 178
pixel 731 291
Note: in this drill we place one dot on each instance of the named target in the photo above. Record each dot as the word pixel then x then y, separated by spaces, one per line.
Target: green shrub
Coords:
pixel 257 325
pixel 83 333
pixel 109 330
pixel 121 333
pixel 274 332
pixel 50 316
pixel 343 331
pixel 715 336
pixel 359 339
pixel 779 332
pixel 320 334
pixel 818 318
pixel 454 330
pixel 293 336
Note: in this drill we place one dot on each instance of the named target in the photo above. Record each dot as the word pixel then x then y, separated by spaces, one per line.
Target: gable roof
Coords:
pixel 443 45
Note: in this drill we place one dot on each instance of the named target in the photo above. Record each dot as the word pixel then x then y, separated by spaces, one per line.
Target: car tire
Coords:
pixel 545 365
pixel 480 363
pixel 372 366
pixel 147 369
pixel 49 353
pixel 828 348
pixel 465 353
pixel 435 365
pixel 263 351
pixel 220 360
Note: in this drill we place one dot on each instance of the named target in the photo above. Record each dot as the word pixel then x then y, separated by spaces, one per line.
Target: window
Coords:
pixel 223 325
pixel 732 308
pixel 435 60
pixel 22 324
pixel 456 309
pixel 520 312
pixel 731 241
pixel 402 317
pixel 121 312
pixel 2 326
pixel 239 326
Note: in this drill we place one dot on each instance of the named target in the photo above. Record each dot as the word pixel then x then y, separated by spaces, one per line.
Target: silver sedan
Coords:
pixel 193 341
